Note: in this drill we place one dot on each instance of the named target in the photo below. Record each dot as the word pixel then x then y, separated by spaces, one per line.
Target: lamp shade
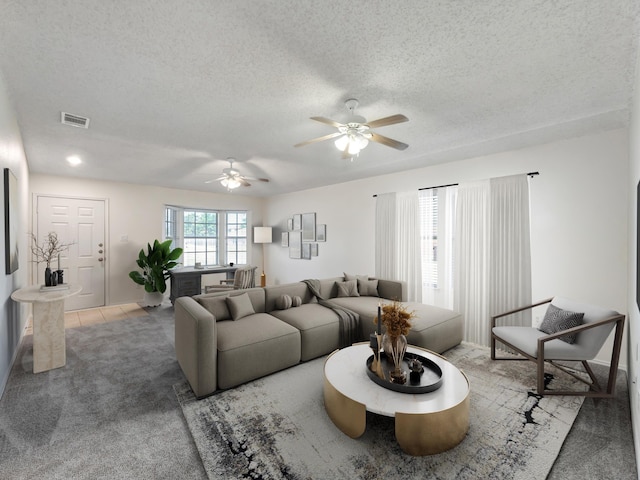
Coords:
pixel 262 235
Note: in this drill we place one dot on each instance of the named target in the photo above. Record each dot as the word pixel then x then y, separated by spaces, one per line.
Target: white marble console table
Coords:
pixel 49 346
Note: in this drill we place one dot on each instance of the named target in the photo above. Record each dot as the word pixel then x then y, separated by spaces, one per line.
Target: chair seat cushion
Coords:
pixel 526 340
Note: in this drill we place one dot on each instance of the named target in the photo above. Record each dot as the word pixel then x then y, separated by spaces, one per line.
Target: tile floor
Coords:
pixel 91 316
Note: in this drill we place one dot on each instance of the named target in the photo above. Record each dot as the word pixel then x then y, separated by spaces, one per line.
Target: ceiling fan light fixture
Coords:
pixel 230 183
pixel 341 142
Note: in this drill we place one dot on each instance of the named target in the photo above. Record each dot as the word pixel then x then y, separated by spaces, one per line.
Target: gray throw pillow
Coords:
pixel 296 301
pixel 283 302
pixel 240 306
pixel 347 289
pixel 358 278
pixel 368 288
pixel 217 306
pixel 556 320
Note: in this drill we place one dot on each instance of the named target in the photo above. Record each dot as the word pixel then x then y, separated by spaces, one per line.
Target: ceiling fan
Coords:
pixel 232 179
pixel 354 135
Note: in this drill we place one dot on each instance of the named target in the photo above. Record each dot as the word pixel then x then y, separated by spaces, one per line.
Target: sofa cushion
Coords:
pixel 319 328
pixel 556 319
pixel 217 306
pixel 368 288
pixel 347 289
pixel 240 306
pixel 254 346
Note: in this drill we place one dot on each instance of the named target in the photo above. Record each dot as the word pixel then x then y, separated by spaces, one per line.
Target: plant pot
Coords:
pixel 152 299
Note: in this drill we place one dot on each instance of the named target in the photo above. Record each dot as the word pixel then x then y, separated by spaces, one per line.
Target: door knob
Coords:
pixel 99 244
pixel 100 259
pixel 99 251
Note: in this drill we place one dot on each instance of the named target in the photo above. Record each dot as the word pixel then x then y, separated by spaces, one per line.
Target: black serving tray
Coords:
pixel 430 380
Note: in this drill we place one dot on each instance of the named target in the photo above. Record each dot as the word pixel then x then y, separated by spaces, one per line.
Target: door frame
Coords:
pixel 107 237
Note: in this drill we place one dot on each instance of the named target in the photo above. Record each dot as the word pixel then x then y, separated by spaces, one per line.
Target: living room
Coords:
pixel 583 218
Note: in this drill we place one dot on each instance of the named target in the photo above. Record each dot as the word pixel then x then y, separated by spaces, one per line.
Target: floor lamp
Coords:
pixel 262 235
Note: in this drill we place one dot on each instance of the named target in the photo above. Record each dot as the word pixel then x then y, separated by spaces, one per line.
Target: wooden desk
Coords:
pixel 49 346
pixel 187 281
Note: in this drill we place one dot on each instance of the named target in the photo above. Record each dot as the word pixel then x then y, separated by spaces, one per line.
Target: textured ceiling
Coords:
pixel 174 88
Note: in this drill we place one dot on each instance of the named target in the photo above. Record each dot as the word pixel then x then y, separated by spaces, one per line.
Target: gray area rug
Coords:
pixel 276 427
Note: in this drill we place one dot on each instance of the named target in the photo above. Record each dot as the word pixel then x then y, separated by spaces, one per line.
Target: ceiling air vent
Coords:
pixel 74 120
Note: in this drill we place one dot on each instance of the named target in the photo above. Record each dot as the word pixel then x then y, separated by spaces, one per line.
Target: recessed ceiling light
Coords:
pixel 74 160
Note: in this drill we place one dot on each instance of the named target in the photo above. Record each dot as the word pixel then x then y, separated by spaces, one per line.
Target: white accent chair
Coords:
pixel 244 277
pixel 539 347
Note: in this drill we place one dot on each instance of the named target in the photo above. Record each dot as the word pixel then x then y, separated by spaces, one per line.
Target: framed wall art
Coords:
pixel 306 251
pixel 321 233
pixel 295 244
pixel 297 222
pixel 308 227
pixel 10 221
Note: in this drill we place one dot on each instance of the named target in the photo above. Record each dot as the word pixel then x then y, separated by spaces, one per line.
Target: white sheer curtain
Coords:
pixel 492 252
pixel 397 242
pixel 510 282
pixel 437 218
pixel 409 267
pixel 385 238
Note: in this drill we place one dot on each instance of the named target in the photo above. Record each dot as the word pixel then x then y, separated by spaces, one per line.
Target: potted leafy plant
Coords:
pixel 155 265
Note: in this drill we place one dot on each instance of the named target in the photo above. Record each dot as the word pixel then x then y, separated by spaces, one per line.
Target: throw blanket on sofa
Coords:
pixel 348 319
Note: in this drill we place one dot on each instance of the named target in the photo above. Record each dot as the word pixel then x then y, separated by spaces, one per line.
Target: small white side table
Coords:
pixel 49 347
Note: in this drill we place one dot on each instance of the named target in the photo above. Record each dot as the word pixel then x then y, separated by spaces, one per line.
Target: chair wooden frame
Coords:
pixel 595 390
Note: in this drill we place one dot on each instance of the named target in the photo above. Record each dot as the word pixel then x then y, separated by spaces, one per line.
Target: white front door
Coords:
pixel 81 222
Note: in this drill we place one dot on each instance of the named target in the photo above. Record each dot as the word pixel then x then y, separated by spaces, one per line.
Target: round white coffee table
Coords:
pixel 425 423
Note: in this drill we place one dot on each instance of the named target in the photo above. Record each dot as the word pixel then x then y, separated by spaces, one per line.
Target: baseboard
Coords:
pixel 3 382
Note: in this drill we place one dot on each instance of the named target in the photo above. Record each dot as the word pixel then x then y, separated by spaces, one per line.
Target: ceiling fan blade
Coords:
pixel 319 139
pixel 382 122
pixel 389 142
pixel 327 121
pixel 256 179
pixel 243 181
pixel 216 179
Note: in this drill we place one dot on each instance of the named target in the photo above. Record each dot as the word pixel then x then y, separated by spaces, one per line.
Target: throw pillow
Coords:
pixel 240 306
pixel 348 277
pixel 556 320
pixel 368 288
pixel 284 302
pixel 296 301
pixel 217 306
pixel 347 289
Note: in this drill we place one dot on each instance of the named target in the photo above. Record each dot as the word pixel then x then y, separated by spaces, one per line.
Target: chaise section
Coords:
pixel 434 328
pixel 254 346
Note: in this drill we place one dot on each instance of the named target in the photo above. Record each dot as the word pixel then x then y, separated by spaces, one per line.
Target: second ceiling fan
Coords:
pixel 231 178
pixel 356 133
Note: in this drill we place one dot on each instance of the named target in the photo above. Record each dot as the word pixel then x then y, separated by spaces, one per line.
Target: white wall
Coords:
pixel 578 217
pixel 137 212
pixel 633 318
pixel 14 315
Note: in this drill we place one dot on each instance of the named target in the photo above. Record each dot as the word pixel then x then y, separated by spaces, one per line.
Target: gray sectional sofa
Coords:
pixel 228 338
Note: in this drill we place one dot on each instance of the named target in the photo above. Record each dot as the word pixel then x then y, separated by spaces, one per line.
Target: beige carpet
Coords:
pixel 276 427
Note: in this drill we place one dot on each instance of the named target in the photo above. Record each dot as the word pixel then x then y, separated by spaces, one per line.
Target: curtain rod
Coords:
pixel 530 174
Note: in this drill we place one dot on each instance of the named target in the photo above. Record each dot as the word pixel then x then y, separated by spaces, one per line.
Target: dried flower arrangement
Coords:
pixel 50 248
pixel 396 319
